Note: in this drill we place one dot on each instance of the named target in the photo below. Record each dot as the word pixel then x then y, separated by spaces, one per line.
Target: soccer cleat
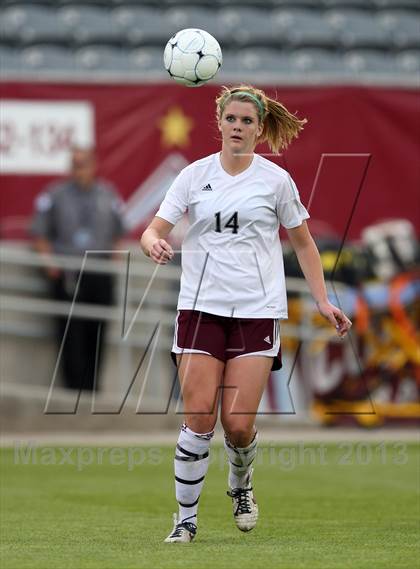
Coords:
pixel 182 532
pixel 245 508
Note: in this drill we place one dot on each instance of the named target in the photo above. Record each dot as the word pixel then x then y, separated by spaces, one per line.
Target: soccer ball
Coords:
pixel 192 57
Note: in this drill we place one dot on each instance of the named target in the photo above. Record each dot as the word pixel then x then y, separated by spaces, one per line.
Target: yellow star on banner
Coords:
pixel 175 127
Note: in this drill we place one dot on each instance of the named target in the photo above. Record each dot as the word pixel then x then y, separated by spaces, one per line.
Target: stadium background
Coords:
pixel 91 73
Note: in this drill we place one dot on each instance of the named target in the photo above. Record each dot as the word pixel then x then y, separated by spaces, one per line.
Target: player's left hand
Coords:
pixel 335 316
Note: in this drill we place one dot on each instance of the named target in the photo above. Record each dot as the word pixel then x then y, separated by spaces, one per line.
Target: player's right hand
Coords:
pixel 161 252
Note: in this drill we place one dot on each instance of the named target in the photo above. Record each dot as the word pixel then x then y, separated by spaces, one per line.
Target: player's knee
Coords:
pixel 239 433
pixel 200 423
pixel 200 415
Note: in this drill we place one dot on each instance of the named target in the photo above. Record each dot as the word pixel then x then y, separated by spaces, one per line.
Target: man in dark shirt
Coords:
pixel 73 216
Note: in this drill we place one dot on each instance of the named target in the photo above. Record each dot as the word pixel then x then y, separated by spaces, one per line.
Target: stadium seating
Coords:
pixel 56 59
pixel 262 4
pixel 8 3
pixel 355 4
pixel 303 28
pixel 10 59
pixel 100 58
pixel 90 24
pixel 318 62
pixel 397 4
pixel 141 25
pixel 310 4
pixel 204 18
pixel 95 3
pixel 258 37
pixel 355 29
pixel 370 61
pixel 31 60
pixel 403 27
pixel 255 60
pixel 31 23
pixel 408 62
pixel 247 26
pixel 146 60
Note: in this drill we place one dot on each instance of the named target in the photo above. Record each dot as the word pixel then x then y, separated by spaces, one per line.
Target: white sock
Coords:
pixel 191 463
pixel 240 460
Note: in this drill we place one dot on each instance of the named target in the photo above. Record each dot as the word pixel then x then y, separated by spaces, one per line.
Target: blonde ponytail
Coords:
pixel 280 126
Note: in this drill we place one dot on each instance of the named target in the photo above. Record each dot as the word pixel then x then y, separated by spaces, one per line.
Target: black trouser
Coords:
pixel 82 346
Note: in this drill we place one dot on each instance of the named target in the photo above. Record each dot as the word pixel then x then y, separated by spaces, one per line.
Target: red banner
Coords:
pixel 356 162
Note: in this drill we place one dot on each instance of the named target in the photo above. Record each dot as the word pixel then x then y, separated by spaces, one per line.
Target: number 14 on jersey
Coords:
pixel 232 222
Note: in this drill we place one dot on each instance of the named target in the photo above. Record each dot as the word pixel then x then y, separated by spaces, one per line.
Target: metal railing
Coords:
pixel 151 294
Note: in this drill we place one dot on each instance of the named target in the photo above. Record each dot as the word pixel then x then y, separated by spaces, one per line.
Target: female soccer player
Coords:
pixel 233 291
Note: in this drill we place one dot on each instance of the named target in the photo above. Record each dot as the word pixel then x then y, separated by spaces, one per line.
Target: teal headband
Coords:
pixel 250 96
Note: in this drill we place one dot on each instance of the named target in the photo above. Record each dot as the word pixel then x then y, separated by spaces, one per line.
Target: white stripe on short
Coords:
pixel 274 350
pixel 177 350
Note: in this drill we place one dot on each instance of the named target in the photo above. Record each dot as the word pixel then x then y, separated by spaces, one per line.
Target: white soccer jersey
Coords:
pixel 232 261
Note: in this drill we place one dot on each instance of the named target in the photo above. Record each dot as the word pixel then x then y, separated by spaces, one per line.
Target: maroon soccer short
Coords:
pixel 225 338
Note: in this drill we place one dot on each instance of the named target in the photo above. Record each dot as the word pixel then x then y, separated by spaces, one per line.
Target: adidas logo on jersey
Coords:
pixel 207 188
pixel 267 340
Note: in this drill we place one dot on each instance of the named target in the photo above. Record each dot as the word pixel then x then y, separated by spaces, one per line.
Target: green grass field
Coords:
pixel 342 507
